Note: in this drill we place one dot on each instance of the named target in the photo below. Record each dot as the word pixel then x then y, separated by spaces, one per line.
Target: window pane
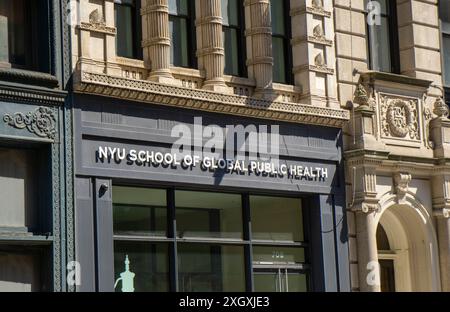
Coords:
pixel 20 272
pixel 286 211
pixel 380 46
pixel 230 15
pixel 124 24
pixel 278 254
pixel 230 37
pixel 140 266
pixel 280 281
pixel 18 190
pixel 139 211
pixel 179 7
pixel 279 60
pixel 277 11
pixel 446 48
pixel 179 55
pixel 205 214
pixel 444 11
pixel 211 268
pixel 14 17
pixel 382 3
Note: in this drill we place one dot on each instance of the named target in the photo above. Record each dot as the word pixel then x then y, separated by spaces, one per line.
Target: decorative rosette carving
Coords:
pixel 41 122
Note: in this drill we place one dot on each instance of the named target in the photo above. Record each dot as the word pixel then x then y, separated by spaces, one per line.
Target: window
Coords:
pixel 233 37
pixel 24 34
pixel 128 24
pixel 444 14
pixel 169 239
pixel 281 36
pixel 25 261
pixel 182 33
pixel 382 38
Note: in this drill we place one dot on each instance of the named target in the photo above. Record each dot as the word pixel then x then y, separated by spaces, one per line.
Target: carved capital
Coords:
pixel 367 207
pixel 442 213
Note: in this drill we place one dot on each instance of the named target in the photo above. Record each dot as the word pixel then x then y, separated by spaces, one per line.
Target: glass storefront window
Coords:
pixel 204 249
pixel 280 280
pixel 215 268
pixel 287 212
pixel 139 211
pixel 141 266
pixel 207 214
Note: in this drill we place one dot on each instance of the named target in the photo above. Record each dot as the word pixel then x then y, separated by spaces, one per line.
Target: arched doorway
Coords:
pixel 407 250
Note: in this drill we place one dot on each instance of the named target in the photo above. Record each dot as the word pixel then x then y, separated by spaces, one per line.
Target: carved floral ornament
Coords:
pixel 41 122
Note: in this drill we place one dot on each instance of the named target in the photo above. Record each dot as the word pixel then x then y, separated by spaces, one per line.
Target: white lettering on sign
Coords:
pixel 239 166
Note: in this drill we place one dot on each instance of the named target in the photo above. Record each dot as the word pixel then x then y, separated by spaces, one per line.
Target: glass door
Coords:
pixel 279 278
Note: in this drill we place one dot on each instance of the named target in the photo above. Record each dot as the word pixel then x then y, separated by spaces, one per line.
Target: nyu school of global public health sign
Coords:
pixel 233 149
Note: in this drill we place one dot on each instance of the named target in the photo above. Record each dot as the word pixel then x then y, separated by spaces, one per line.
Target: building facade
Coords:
pixel 396 146
pixel 208 147
pixel 353 82
pixel 36 205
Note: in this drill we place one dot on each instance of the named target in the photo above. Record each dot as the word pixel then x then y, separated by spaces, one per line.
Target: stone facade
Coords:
pixel 395 125
pixel 395 149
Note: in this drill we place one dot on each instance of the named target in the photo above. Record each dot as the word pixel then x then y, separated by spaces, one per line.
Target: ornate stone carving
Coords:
pixel 97 24
pixel 440 108
pixel 399 118
pixel 362 97
pixel 41 122
pixel 150 92
pixel 442 213
pixel 401 183
pixel 318 60
pixel 318 31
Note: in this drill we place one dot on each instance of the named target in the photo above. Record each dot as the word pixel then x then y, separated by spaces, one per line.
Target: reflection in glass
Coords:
pixel 280 280
pixel 210 268
pixel 124 25
pixel 286 211
pixel 139 211
pixel 278 254
pixel 279 67
pixel 149 263
pixel 206 214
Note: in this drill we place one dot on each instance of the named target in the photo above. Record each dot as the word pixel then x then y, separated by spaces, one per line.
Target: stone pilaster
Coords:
pixel 259 39
pixel 365 207
pixel 313 51
pixel 211 50
pixel 156 39
pixel 441 211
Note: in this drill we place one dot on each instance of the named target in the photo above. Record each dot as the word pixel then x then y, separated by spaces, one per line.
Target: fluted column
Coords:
pixel 156 39
pixel 260 60
pixel 211 50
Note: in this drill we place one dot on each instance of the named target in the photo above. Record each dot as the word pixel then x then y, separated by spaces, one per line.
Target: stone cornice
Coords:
pixel 28 77
pixel 31 94
pixel 164 94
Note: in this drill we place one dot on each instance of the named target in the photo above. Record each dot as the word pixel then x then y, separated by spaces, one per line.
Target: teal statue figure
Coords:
pixel 126 277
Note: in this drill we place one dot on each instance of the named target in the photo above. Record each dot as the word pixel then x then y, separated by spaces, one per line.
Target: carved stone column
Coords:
pixel 441 211
pixel 211 49
pixel 365 208
pixel 156 39
pixel 260 60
